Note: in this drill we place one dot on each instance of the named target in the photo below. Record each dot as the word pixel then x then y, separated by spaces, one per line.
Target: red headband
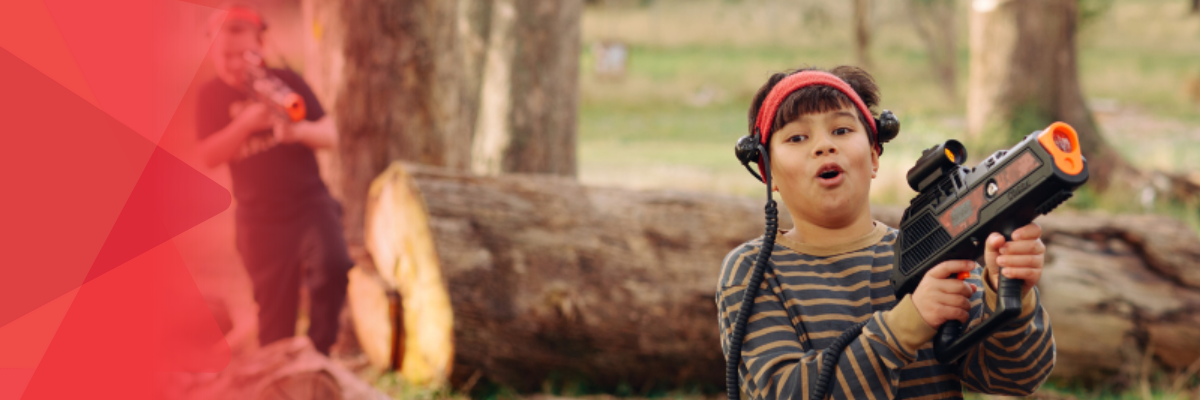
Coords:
pixel 245 14
pixel 794 82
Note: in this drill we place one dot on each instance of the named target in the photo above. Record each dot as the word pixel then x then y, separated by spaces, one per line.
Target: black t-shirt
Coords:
pixel 271 181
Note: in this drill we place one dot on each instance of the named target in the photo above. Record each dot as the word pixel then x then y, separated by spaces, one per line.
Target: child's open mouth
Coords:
pixel 830 175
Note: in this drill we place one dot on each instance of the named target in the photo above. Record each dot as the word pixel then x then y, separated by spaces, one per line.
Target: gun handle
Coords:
pixel 951 343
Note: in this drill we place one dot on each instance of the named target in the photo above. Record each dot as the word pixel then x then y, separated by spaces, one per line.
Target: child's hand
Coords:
pixel 255 117
pixel 941 297
pixel 1022 258
pixel 284 132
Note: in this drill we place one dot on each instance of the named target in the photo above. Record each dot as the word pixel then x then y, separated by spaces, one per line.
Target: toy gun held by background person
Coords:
pixel 957 207
pixel 272 91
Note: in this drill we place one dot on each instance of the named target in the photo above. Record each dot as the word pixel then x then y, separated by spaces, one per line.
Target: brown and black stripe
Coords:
pixel 807 300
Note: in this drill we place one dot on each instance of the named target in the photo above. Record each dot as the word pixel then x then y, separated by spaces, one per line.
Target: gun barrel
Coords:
pixel 1062 142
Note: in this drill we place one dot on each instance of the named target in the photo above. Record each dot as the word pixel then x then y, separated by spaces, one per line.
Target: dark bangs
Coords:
pixel 813 100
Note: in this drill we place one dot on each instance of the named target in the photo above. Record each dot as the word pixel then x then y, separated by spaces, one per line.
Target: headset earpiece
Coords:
pixel 747 152
pixel 888 126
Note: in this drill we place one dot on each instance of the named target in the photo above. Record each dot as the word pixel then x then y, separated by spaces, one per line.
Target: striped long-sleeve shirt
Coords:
pixel 811 294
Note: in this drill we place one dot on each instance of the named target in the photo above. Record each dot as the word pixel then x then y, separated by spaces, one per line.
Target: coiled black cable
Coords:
pixel 830 359
pixel 756 277
pixel 832 354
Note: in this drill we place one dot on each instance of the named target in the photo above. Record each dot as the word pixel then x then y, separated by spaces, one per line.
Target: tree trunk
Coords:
pixel 408 83
pixel 862 32
pixel 934 21
pixel 1023 76
pixel 530 89
pixel 524 279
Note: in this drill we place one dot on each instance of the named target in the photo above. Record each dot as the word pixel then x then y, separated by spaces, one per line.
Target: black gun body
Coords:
pixel 952 220
pixel 958 207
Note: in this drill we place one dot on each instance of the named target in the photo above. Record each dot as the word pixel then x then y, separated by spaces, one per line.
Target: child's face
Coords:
pixel 232 41
pixel 822 165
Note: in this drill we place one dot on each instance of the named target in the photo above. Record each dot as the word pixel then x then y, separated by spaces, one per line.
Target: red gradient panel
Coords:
pixel 95 299
pixel 13 382
pixel 170 198
pixel 68 169
pixel 124 327
pixel 27 31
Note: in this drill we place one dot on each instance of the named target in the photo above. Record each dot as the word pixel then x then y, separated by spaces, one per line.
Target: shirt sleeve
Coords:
pixel 1018 358
pixel 775 363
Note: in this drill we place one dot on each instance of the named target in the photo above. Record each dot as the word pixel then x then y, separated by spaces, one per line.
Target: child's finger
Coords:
pixel 951 312
pixel 991 248
pixel 1020 261
pixel 952 287
pixel 1026 274
pixel 951 267
pixel 959 302
pixel 1028 232
pixel 1024 247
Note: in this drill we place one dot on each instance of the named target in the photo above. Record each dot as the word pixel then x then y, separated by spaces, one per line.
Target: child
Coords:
pixel 831 270
pixel 286 219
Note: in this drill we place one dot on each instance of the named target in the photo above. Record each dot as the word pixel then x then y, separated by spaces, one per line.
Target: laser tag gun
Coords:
pixel 957 207
pixel 271 90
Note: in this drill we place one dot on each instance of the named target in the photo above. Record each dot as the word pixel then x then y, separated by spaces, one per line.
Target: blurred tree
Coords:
pixel 934 21
pixel 530 96
pixel 862 32
pixel 1023 76
pixel 405 80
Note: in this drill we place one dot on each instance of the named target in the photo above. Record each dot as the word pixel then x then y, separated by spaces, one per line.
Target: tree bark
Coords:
pixel 530 89
pixel 547 279
pixel 545 87
pixel 934 21
pixel 408 83
pixel 1023 76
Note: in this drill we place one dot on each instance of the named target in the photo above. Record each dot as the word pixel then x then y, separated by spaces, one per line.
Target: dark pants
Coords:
pixel 277 253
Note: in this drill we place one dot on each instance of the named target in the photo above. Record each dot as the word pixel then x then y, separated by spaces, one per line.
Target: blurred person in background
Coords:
pixel 287 222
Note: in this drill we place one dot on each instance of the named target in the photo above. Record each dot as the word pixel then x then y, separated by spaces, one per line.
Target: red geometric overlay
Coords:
pixel 95 298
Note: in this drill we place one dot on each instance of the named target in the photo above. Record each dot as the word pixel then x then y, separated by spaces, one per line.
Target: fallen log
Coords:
pixel 544 279
pixel 549 278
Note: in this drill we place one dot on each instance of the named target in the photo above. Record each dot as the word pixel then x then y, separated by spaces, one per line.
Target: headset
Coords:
pixel 754 148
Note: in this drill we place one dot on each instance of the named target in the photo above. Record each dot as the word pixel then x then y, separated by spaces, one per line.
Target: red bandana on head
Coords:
pixel 794 82
pixel 245 14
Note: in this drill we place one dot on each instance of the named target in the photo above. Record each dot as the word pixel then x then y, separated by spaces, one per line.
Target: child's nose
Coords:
pixel 823 148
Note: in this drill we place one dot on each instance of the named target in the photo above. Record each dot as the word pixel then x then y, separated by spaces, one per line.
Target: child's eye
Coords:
pixel 841 131
pixel 796 138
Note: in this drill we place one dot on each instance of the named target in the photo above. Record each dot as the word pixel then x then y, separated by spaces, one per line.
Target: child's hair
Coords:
pixel 817 99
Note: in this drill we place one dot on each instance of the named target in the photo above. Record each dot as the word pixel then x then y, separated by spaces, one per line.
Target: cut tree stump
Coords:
pixel 525 280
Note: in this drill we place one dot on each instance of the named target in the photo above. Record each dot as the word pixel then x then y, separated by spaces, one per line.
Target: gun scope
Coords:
pixel 934 162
